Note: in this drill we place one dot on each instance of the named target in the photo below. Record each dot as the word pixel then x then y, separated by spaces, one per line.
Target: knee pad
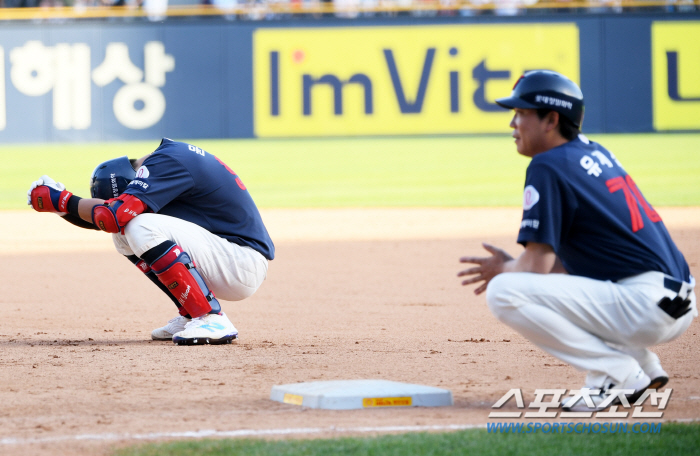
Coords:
pixel 178 273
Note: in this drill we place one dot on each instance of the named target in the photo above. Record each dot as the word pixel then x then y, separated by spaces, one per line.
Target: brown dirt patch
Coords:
pixel 352 294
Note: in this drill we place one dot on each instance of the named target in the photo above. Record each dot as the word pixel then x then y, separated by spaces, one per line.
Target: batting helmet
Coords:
pixel 548 90
pixel 110 178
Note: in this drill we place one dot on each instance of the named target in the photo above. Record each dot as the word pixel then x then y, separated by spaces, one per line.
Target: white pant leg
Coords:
pixel 231 271
pixel 581 320
pixel 648 360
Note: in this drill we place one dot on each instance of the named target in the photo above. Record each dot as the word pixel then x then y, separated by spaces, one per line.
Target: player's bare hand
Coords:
pixel 486 267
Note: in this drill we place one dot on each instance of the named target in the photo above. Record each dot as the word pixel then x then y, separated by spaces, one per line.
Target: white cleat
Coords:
pixel 658 377
pixel 580 406
pixel 637 382
pixel 209 329
pixel 167 332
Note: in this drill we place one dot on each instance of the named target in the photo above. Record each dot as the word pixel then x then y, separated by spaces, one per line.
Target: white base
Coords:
pixel 358 394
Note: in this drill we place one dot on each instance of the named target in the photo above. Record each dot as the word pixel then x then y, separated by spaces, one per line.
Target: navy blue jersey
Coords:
pixel 579 200
pixel 184 181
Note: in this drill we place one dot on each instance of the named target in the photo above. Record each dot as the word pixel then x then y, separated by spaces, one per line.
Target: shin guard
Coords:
pixel 178 273
pixel 146 269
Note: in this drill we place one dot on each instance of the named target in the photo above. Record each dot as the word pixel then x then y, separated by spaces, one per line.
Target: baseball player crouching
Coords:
pixel 600 279
pixel 186 220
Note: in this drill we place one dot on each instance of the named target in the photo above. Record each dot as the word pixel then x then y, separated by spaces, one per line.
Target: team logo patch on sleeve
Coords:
pixel 142 172
pixel 530 197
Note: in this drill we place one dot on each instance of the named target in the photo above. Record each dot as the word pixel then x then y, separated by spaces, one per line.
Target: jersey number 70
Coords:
pixel 634 198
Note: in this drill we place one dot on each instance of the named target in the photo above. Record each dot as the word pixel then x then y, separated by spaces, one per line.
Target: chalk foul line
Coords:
pixel 206 433
pixel 238 433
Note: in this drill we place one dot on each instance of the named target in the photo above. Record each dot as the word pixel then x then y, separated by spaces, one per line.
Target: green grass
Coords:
pixel 674 439
pixel 378 172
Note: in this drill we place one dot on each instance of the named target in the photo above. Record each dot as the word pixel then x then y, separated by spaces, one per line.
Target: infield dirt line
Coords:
pixel 28 232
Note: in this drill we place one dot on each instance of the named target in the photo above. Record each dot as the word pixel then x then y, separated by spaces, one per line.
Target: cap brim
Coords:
pixel 511 103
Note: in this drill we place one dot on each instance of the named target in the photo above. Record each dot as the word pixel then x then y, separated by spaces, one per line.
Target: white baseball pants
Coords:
pixel 231 271
pixel 601 327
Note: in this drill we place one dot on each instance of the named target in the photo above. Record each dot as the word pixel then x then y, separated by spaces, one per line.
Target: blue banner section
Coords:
pixel 211 78
pixel 121 81
pixel 627 85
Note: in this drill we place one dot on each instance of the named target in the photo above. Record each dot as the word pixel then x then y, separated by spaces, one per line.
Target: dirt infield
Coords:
pixel 352 294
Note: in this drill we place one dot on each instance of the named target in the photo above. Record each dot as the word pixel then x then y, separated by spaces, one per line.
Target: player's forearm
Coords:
pixel 77 221
pixel 558 267
pixel 537 258
pixel 85 207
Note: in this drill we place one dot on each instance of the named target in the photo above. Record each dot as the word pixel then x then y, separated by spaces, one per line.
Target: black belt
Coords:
pixel 678 306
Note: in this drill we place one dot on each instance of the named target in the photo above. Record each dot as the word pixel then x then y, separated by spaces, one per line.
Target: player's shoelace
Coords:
pixel 174 320
pixel 196 322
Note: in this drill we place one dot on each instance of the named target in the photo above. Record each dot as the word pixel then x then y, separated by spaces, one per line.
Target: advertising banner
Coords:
pixel 89 81
pixel 124 82
pixel 399 80
pixel 676 75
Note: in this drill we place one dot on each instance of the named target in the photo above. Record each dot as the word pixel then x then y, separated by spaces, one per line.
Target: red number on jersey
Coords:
pixel 634 198
pixel 648 210
pixel 238 179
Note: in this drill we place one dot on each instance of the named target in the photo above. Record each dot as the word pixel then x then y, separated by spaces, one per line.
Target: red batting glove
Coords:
pixel 47 195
